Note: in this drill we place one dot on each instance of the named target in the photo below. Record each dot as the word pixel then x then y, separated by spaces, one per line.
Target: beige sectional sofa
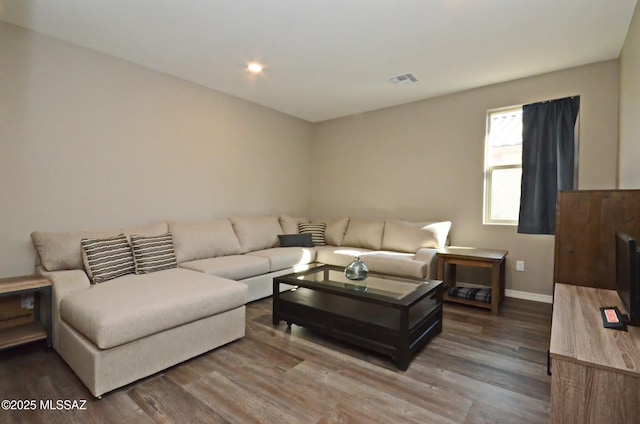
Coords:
pixel 242 249
pixel 118 331
pixel 394 247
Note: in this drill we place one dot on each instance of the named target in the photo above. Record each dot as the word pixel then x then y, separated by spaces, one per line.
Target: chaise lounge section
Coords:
pixel 132 326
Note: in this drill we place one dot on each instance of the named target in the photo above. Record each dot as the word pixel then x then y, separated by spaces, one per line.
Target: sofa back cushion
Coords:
pixel 202 240
pixel 406 236
pixel 335 229
pixel 256 233
pixel 59 251
pixel 146 230
pixel 364 233
pixel 289 224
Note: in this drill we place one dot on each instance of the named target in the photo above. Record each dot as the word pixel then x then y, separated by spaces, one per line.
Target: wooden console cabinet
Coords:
pixel 595 372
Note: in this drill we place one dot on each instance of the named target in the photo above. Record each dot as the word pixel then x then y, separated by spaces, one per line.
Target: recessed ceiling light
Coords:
pixel 254 67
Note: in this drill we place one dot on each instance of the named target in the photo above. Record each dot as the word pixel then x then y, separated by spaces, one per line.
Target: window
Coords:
pixel 503 166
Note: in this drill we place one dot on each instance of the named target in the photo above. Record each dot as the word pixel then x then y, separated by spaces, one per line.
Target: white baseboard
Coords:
pixel 536 297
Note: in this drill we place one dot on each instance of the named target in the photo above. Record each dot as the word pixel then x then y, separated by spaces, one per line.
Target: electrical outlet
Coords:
pixel 519 265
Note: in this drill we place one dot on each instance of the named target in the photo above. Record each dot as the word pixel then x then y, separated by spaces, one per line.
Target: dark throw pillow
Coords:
pixel 296 240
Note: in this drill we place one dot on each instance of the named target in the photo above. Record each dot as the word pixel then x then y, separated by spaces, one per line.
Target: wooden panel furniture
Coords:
pixel 451 256
pixel 595 371
pixel 390 315
pixel 37 330
pixel 586 223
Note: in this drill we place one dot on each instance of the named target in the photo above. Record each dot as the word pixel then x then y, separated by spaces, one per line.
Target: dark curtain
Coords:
pixel 548 160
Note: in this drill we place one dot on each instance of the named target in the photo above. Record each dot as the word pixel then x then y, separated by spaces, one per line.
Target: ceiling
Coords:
pixel 325 59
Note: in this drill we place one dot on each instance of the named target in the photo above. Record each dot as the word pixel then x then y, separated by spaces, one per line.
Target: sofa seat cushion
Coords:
pixel 339 256
pixel 285 257
pixel 132 307
pixel 235 267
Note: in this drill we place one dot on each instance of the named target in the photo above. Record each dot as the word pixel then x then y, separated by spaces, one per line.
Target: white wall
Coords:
pixel 89 141
pixel 629 156
pixel 424 161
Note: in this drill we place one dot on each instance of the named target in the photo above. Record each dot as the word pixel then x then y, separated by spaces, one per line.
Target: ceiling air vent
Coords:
pixel 403 79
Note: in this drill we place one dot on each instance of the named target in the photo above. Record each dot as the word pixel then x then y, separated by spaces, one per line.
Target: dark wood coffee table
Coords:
pixel 389 315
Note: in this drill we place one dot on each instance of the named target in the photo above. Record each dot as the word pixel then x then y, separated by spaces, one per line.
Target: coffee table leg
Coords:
pixel 402 364
pixel 402 361
pixel 276 302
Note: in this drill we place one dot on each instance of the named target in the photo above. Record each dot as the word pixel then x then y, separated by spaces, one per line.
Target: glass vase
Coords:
pixel 356 270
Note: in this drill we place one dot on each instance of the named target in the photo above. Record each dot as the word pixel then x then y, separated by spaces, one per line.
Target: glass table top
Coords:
pixel 390 287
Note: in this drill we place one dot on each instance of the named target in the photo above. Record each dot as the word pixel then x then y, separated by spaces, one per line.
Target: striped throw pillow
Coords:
pixel 153 254
pixel 107 258
pixel 316 230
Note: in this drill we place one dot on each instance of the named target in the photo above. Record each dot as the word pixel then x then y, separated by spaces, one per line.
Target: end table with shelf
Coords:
pixel 481 258
pixel 39 329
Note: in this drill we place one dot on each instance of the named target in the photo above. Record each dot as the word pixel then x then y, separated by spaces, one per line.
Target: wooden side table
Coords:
pixel 481 258
pixel 37 330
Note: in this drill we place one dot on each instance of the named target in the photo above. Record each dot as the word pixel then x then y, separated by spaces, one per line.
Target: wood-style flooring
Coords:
pixel 481 369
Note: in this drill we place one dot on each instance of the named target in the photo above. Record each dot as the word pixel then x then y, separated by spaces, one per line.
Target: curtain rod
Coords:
pixel 554 100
